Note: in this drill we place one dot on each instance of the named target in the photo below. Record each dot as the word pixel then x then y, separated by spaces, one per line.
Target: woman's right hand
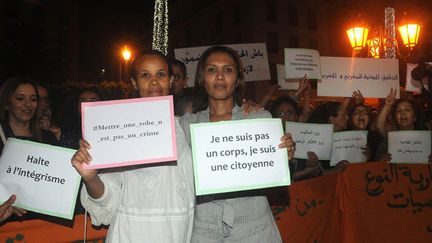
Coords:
pixel 6 209
pixel 390 99
pixel 82 157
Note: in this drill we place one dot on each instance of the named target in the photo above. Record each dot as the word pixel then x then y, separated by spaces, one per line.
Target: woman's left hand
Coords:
pixel 250 106
pixel 287 142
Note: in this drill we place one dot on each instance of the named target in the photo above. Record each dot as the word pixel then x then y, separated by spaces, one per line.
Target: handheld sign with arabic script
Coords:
pixel 409 146
pixel 373 77
pixel 238 155
pixel 349 145
pixel 41 176
pixel 253 56
pixel 130 132
pixel 317 138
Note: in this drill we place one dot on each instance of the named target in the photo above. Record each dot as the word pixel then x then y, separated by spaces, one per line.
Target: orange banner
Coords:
pixel 369 202
pixel 43 231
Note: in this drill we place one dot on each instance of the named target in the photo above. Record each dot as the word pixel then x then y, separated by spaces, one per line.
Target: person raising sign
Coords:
pixel 146 203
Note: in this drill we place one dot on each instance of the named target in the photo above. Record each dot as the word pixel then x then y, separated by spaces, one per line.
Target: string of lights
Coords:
pixel 160 26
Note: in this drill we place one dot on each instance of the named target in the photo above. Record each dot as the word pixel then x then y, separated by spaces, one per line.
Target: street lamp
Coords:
pixel 126 54
pixel 384 41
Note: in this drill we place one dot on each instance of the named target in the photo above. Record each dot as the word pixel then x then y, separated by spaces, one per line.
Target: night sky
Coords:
pixel 105 26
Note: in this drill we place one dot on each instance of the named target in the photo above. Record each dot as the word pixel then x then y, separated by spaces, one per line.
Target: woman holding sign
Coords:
pixel 404 115
pixel 147 203
pixel 229 217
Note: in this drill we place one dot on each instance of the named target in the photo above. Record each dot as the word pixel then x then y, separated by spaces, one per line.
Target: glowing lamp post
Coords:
pixel 126 55
pixel 357 37
pixel 410 34
pixel 384 43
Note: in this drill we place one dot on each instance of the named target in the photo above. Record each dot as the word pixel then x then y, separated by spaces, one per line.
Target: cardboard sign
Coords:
pixel 373 77
pixel 299 62
pixel 130 132
pixel 41 176
pixel 238 155
pixel 253 56
pixel 317 138
pixel 409 146
pixel 289 84
pixel 349 146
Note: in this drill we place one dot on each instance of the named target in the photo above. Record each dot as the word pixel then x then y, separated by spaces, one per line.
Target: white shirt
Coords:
pixel 147 203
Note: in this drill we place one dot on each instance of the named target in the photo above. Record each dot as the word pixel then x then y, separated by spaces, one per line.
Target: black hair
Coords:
pixel 201 101
pixel 148 53
pixel 6 91
pixel 175 62
pixel 284 100
pixel 324 111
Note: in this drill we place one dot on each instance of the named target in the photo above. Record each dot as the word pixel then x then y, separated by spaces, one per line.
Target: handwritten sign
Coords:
pixel 409 146
pixel 412 85
pixel 253 56
pixel 373 77
pixel 317 138
pixel 238 155
pixel 41 176
pixel 348 146
pixel 289 84
pixel 129 132
pixel 299 62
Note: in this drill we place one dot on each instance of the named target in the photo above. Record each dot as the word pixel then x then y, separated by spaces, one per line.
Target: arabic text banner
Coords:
pixel 373 77
pixel 253 56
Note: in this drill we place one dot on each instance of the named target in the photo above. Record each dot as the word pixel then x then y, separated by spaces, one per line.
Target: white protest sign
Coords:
pixel 253 56
pixel 299 62
pixel 409 146
pixel 290 84
pixel 373 77
pixel 348 146
pixel 317 138
pixel 238 155
pixel 41 176
pixel 130 132
pixel 412 85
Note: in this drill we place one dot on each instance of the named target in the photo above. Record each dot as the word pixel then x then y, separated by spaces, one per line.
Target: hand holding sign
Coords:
pixel 82 156
pixel 287 142
pixel 6 209
pixel 91 180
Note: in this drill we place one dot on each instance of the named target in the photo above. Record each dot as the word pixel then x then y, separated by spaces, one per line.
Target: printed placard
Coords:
pixel 253 56
pixel 130 132
pixel 313 137
pixel 412 85
pixel 289 84
pixel 373 77
pixel 41 176
pixel 299 62
pixel 409 146
pixel 238 155
pixel 349 146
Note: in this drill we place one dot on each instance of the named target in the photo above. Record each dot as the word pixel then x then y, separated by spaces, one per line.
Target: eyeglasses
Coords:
pixel 179 76
pixel 288 113
pixel 361 112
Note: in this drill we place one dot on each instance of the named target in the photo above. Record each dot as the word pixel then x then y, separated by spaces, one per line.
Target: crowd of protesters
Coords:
pixel 167 211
